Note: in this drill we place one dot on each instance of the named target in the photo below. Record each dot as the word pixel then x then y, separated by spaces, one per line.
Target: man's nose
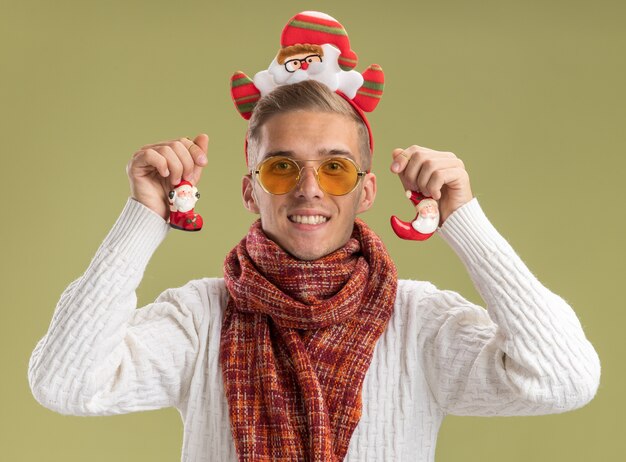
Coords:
pixel 308 186
pixel 304 65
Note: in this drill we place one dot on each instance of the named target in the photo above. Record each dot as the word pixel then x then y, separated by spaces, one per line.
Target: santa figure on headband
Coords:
pixel 310 53
pixel 182 200
pixel 314 46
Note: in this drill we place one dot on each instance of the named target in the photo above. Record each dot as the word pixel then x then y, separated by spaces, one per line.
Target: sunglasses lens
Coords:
pixel 278 175
pixel 336 176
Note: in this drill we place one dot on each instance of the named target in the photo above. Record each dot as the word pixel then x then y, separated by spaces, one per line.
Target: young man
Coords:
pixel 310 348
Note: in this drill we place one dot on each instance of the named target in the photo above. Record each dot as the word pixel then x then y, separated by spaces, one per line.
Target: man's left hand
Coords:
pixel 440 175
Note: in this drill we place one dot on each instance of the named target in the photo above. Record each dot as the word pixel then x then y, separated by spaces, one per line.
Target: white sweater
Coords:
pixel 526 354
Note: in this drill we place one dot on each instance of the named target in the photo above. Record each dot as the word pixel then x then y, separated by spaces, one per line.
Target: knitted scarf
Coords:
pixel 297 339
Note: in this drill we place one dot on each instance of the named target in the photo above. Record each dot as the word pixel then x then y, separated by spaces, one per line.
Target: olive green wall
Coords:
pixel 530 94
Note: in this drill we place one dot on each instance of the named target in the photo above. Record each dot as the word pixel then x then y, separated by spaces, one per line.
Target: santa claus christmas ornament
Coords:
pixel 424 224
pixel 313 46
pixel 182 200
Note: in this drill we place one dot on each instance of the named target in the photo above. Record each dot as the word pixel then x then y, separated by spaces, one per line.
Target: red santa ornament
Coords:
pixel 182 201
pixel 425 222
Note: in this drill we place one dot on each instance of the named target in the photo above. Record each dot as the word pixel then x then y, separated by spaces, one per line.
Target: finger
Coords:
pixel 160 143
pixel 197 174
pixel 173 162
pixel 415 157
pixel 440 178
pixel 148 158
pixel 185 158
pixel 400 160
pixel 198 149
pixel 401 157
pixel 195 150
pixel 201 141
pixel 430 166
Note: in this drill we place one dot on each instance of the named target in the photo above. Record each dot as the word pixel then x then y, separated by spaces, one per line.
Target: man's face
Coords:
pixel 306 135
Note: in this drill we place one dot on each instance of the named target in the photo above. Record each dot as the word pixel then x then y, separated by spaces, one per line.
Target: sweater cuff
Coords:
pixel 137 232
pixel 470 233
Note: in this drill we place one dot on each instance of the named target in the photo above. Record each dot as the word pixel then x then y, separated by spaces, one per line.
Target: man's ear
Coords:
pixel 247 194
pixel 368 194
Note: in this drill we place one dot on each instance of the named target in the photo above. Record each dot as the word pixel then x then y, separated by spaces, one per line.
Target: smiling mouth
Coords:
pixel 308 219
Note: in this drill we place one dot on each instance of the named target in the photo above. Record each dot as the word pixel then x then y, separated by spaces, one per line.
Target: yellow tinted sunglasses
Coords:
pixel 337 176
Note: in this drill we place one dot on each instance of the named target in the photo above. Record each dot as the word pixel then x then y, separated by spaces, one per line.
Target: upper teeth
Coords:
pixel 308 219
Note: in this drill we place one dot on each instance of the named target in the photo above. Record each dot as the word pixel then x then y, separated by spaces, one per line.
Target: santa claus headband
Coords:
pixel 314 46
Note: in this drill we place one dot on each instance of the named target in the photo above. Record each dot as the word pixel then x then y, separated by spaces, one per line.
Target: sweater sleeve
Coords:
pixel 101 355
pixel 526 354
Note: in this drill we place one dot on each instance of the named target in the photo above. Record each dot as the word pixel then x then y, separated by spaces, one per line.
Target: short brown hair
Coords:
pixel 307 95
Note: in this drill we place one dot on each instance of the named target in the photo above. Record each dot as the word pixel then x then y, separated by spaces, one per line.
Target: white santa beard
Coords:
pixel 425 225
pixel 297 76
pixel 184 204
pixel 317 68
pixel 327 72
pixel 324 74
pixel 321 72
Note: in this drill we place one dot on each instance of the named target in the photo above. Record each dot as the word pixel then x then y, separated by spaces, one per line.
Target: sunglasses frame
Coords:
pixel 359 173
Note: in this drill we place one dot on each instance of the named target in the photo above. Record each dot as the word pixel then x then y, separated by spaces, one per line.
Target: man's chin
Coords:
pixel 308 254
pixel 308 244
pixel 308 249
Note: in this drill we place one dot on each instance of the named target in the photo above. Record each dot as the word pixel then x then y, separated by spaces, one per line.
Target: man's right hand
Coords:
pixel 155 169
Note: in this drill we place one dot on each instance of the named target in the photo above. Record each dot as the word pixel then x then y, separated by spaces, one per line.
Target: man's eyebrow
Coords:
pixel 278 153
pixel 335 152
pixel 322 152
